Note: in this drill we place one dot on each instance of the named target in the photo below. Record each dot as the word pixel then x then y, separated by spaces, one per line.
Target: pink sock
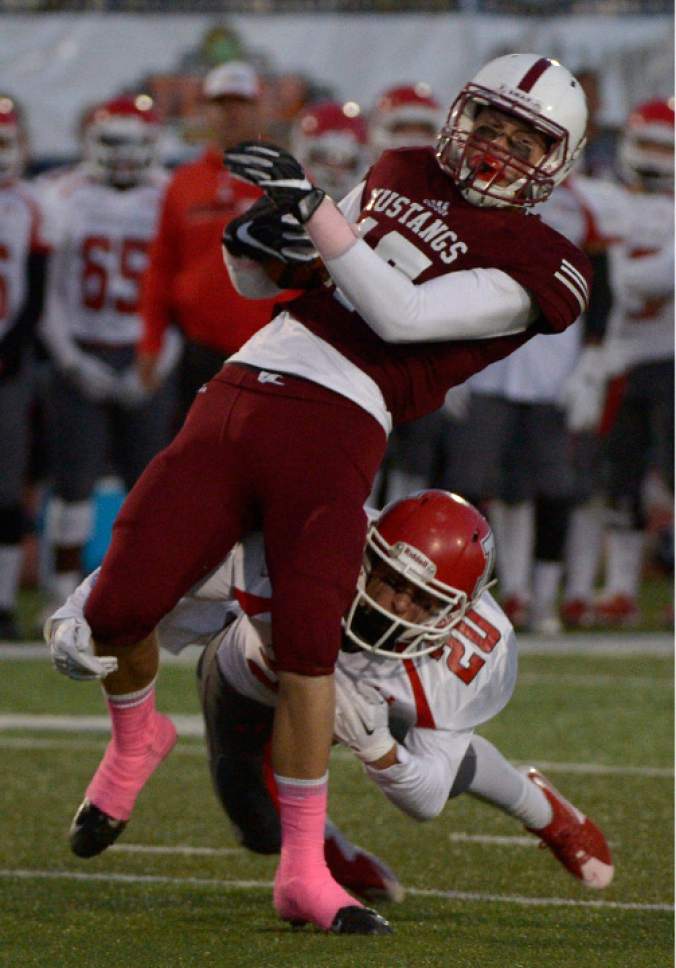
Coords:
pixel 141 739
pixel 304 889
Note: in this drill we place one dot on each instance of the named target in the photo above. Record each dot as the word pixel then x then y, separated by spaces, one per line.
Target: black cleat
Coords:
pixel 92 830
pixel 359 920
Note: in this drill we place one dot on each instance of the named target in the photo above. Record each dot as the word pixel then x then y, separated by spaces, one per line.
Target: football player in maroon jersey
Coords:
pixel 437 269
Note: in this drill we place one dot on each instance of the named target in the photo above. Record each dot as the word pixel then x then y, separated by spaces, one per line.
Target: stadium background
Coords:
pixel 599 710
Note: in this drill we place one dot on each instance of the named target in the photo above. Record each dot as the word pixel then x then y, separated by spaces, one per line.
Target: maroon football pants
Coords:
pixel 294 459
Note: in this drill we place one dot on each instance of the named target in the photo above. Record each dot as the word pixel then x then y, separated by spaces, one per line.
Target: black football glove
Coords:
pixel 279 175
pixel 263 232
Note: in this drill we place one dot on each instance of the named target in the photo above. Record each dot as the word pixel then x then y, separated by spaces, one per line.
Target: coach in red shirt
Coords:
pixel 186 283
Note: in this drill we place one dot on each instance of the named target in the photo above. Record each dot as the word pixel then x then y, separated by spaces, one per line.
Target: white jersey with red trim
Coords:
pixel 592 214
pixel 462 684
pixel 21 232
pixel 641 323
pixel 101 238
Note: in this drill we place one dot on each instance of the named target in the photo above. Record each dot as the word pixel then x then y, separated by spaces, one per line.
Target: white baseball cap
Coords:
pixel 234 79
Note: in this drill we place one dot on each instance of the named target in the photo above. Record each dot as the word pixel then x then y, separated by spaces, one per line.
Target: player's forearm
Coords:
pixel 416 785
pixel 469 304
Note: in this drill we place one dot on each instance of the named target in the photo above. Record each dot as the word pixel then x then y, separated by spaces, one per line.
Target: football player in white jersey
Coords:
pixel 640 346
pixel 102 217
pixel 23 253
pixel 427 657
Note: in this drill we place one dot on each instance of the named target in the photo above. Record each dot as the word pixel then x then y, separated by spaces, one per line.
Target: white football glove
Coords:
pixel 584 393
pixel 70 645
pixel 361 719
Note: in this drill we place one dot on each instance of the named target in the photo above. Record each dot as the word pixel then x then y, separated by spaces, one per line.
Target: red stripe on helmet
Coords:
pixel 534 73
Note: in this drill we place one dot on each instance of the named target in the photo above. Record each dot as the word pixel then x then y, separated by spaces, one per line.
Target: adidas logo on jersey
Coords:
pixel 437 205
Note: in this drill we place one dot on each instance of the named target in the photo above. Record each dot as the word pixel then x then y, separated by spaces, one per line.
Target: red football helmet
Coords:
pixel 408 116
pixel 329 140
pixel 436 541
pixel 11 152
pixel 646 151
pixel 121 140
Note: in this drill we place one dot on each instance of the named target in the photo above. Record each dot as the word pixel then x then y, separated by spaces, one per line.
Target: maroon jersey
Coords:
pixel 414 216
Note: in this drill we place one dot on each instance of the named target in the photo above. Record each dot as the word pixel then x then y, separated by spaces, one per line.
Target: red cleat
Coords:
pixel 577 613
pixel 360 872
pixel 617 611
pixel 516 609
pixel 575 841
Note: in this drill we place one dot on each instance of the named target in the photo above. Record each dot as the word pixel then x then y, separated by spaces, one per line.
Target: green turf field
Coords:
pixel 599 725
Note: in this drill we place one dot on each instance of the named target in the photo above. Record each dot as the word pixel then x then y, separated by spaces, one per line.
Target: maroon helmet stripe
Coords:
pixel 534 73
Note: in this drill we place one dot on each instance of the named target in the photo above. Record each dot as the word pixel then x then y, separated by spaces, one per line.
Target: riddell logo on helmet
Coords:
pixel 412 558
pixel 532 102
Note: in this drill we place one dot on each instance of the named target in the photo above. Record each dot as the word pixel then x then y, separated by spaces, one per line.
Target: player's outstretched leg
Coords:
pixel 574 839
pixel 528 796
pixel 141 739
pixel 237 732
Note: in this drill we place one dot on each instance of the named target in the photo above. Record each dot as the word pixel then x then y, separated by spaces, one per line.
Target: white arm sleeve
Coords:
pixel 249 278
pixel 419 784
pixel 468 304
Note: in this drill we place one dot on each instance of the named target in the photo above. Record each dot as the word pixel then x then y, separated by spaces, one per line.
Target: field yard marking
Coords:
pixel 185 849
pixel 28 874
pixel 602 643
pixel 72 724
pixel 530 678
pixel 188 725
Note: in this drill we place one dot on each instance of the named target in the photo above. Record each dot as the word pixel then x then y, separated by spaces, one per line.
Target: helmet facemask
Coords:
pixel 478 179
pixel 374 628
pixel 120 151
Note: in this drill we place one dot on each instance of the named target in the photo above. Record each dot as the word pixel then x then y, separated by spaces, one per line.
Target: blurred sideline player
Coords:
pixel 102 217
pixel 186 283
pixel 639 349
pixel 513 451
pixel 427 654
pixel 408 115
pixel 426 291
pixel 23 254
pixel 330 141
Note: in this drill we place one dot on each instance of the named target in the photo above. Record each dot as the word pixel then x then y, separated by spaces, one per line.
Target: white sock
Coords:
pixel 496 781
pixel 514 548
pixel 583 550
pixel 546 579
pixel 10 570
pixel 624 550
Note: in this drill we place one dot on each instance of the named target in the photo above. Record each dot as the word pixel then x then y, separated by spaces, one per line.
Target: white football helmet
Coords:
pixel 646 150
pixel 531 88
pixel 121 140
pixel 11 149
